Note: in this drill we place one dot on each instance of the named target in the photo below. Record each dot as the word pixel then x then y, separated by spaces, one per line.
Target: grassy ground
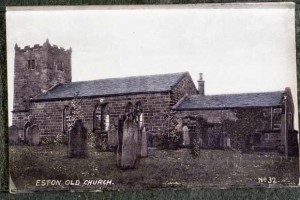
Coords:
pixel 162 168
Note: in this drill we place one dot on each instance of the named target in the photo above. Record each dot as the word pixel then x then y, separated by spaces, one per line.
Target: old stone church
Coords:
pixel 43 89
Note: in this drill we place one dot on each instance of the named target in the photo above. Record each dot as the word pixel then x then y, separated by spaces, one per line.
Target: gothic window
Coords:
pixel 139 113
pixel 101 117
pixel 106 122
pixel 141 120
pixel 98 117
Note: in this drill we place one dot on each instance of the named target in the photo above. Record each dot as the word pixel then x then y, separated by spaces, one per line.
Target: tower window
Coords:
pixel 32 64
pixel 59 66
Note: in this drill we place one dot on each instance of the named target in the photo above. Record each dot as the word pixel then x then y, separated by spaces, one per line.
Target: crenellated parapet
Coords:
pixel 46 45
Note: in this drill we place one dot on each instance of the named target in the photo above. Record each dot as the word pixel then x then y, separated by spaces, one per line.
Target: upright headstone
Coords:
pixel 112 137
pixel 200 142
pixel 226 141
pixel 186 136
pixel 78 140
pixel 139 142
pixel 120 140
pixel 129 143
pixel 26 126
pixel 35 138
pixel 228 145
pixel 13 135
pixel 144 143
pixel 27 138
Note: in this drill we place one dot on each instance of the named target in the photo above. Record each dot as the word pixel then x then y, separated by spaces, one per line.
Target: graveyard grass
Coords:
pixel 162 168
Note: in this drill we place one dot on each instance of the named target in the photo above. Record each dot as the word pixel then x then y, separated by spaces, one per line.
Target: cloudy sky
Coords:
pixel 238 48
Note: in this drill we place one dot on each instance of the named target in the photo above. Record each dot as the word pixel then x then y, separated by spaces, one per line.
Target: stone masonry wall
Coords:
pixel 185 86
pixel 59 57
pixel 19 119
pixel 238 123
pixel 27 81
pixel 48 114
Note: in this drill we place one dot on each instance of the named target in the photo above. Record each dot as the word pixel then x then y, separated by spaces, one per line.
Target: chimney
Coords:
pixel 201 85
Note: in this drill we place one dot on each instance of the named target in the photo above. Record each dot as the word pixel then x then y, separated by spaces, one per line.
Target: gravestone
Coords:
pixel 13 135
pixel 186 136
pixel 120 140
pixel 200 142
pixel 33 135
pixel 227 142
pixel 139 142
pixel 129 144
pixel 26 126
pixel 112 137
pixel 144 143
pixel 78 140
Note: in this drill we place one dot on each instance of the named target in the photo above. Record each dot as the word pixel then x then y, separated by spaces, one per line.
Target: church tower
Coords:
pixel 36 70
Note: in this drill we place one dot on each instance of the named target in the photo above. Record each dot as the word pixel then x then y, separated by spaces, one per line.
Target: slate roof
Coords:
pixel 245 100
pixel 114 86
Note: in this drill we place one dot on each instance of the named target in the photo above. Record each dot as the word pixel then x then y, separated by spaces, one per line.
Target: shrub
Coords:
pixel 47 141
pixel 170 136
pixel 60 139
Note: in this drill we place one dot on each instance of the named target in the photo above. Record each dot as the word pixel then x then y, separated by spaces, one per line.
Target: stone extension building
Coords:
pixel 43 89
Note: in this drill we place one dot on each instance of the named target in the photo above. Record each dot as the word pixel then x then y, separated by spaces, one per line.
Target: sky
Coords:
pixel 238 47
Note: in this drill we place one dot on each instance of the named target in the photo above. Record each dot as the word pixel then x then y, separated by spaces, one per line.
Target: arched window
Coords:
pixel 97 117
pixel 65 112
pixel 106 122
pixel 139 113
pixel 101 117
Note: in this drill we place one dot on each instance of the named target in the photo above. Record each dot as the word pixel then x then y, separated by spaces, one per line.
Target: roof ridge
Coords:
pixel 245 93
pixel 120 85
pixel 229 101
pixel 186 72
